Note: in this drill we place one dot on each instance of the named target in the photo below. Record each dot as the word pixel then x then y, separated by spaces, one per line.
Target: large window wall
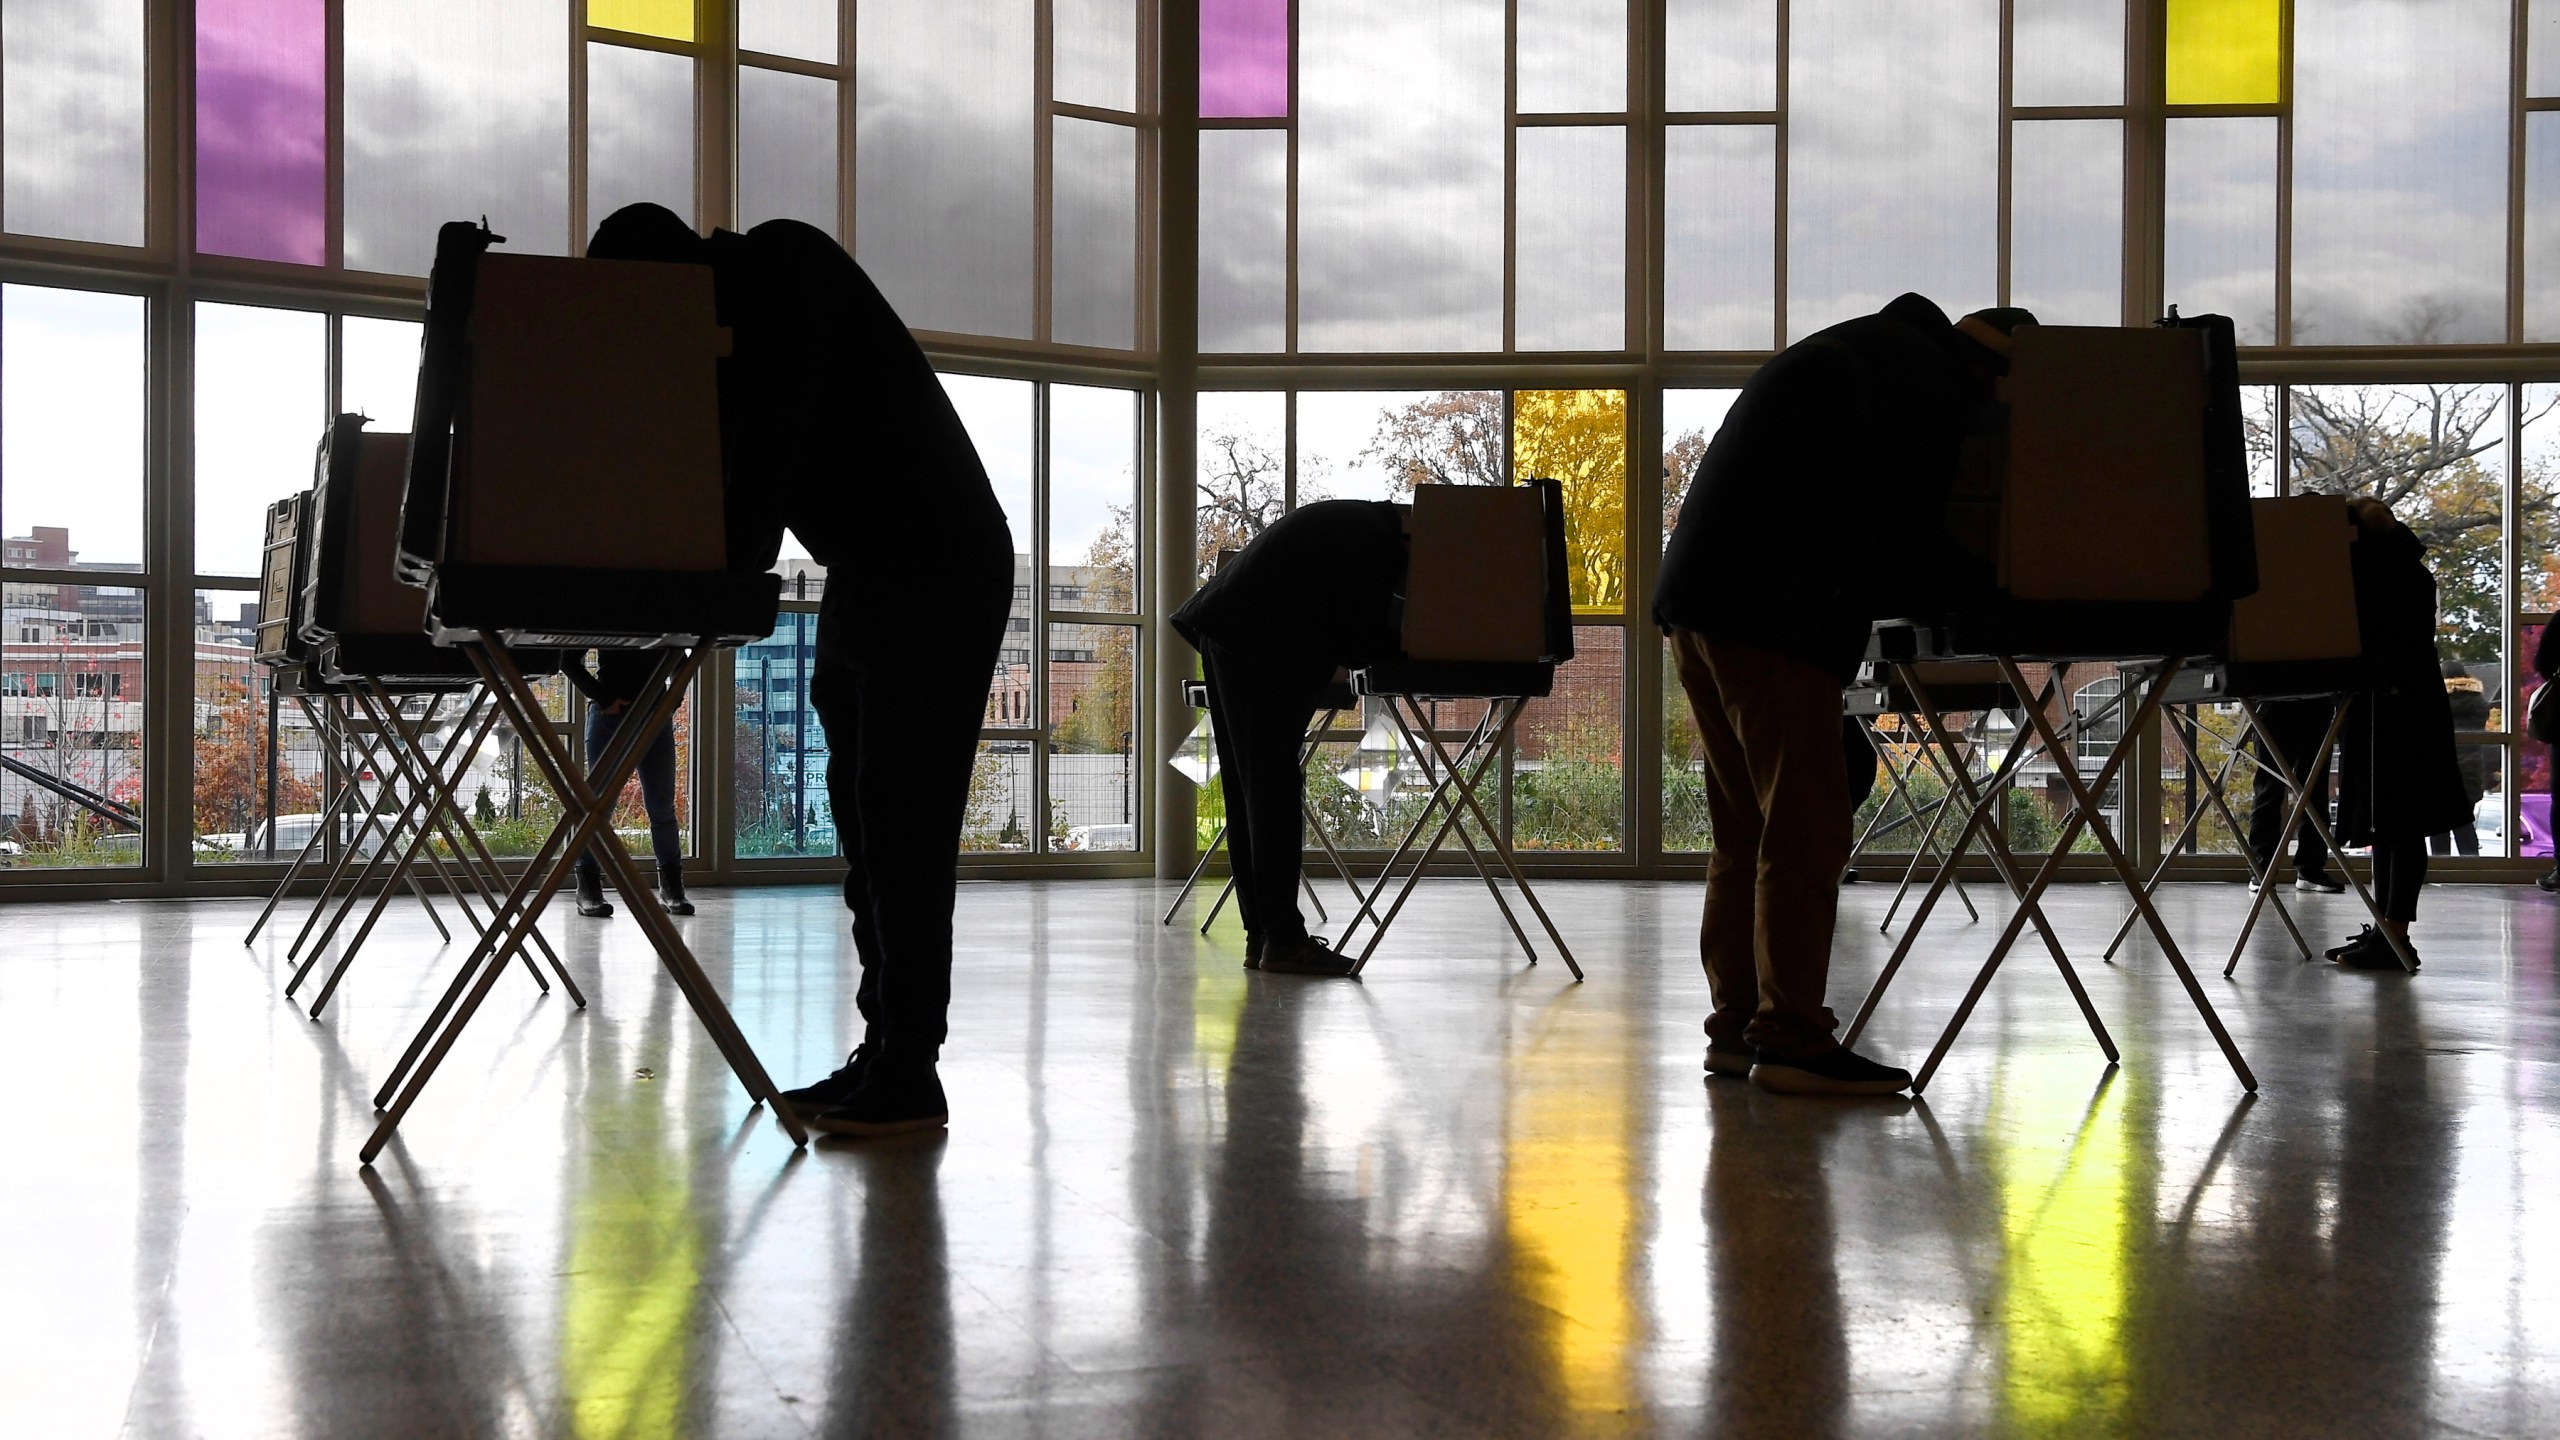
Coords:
pixel 1447 241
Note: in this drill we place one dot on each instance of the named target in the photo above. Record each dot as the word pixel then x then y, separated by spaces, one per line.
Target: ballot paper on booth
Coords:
pixel 2305 608
pixel 1475 585
pixel 2105 498
pixel 594 421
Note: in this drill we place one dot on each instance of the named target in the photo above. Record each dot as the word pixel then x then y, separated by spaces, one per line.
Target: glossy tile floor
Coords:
pixel 1464 1197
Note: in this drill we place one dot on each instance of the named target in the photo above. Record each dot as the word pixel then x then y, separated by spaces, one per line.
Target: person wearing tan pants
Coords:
pixel 1818 509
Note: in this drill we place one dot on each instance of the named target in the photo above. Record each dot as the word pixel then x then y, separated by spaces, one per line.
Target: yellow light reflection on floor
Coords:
pixel 1564 1197
pixel 2224 52
pixel 666 19
pixel 634 1267
pixel 2062 1162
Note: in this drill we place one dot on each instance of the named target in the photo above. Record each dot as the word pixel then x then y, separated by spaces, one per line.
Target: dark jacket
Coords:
pixel 619 676
pixel 2398 776
pixel 1321 582
pixel 1820 505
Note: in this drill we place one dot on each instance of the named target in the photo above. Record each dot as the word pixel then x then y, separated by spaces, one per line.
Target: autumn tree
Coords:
pixel 231 745
pixel 1576 437
pixel 1101 718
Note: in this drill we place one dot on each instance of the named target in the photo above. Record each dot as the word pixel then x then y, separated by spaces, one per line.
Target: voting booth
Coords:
pixel 1488 615
pixel 2124 536
pixel 566 486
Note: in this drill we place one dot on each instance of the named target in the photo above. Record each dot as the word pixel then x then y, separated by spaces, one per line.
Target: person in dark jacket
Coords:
pixel 1312 594
pixel 833 419
pixel 2398 779
pixel 1819 508
pixel 612 689
pixel 2469 701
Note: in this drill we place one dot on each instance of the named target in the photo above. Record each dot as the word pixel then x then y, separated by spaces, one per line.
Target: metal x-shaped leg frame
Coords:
pixel 356 755
pixel 1982 808
pixel 342 800
pixel 586 821
pixel 1456 780
pixel 1315 823
pixel 1936 811
pixel 2217 792
pixel 2300 811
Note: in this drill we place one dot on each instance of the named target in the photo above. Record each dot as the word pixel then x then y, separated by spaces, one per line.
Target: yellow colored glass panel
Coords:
pixel 1579 438
pixel 666 19
pixel 2224 52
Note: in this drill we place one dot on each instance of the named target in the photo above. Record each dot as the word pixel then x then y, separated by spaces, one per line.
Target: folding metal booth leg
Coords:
pixel 1197 867
pixel 393 861
pixel 2297 810
pixel 2217 795
pixel 2311 815
pixel 1925 846
pixel 372 867
pixel 2085 804
pixel 338 798
pixel 1432 806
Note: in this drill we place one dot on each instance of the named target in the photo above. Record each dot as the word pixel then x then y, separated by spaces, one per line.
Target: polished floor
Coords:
pixel 1461 1197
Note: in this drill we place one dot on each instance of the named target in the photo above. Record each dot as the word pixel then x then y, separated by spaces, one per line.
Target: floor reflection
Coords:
pixel 1464 1197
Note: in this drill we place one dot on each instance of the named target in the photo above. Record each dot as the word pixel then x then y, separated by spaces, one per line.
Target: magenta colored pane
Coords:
pixel 262 129
pixel 1244 58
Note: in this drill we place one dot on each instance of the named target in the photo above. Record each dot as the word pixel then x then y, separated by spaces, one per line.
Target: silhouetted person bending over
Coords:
pixel 1818 509
pixel 831 415
pixel 612 690
pixel 1313 593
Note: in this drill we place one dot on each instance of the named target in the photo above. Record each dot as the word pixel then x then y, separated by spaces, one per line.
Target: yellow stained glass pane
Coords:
pixel 666 19
pixel 1579 437
pixel 2224 52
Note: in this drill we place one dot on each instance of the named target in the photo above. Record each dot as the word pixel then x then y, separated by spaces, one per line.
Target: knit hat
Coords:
pixel 1992 328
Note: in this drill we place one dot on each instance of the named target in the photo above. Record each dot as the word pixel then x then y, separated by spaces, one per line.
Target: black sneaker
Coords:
pixel 893 1100
pixel 2318 882
pixel 591 901
pixel 1305 955
pixel 2358 940
pixel 2375 952
pixel 836 1089
pixel 1728 1059
pixel 1836 1071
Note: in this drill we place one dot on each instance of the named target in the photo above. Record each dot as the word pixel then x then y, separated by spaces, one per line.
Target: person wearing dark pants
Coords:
pixel 1819 508
pixel 2298 727
pixel 2398 778
pixel 2546 663
pixel 833 423
pixel 2469 700
pixel 1313 593
pixel 612 690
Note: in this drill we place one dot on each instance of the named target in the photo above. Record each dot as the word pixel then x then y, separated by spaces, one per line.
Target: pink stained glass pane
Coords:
pixel 262 129
pixel 1244 59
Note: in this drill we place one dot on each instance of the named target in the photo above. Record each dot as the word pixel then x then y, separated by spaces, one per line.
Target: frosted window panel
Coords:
pixel 2542 52
pixel 1721 54
pixel 2400 171
pixel 2066 220
pixel 942 161
pixel 1572 56
pixel 786 148
pixel 2067 52
pixel 1400 175
pixel 378 370
pixel 2219 244
pixel 262 143
pixel 997 415
pixel 1893 160
pixel 1095 53
pixel 262 393
pixel 801 29
pixel 1093 268
pixel 639 131
pixel 73 419
pixel 1244 59
pixel 2542 225
pixel 454 110
pixel 1093 493
pixel 1242 479
pixel 71 112
pixel 1572 229
pixel 1719 241
pixel 1244 239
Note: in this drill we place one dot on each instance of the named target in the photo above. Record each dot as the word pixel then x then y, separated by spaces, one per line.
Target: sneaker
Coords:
pixel 2318 882
pixel 2358 940
pixel 892 1101
pixel 671 890
pixel 591 901
pixel 1732 1060
pixel 836 1089
pixel 2375 953
pixel 1306 955
pixel 1836 1071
